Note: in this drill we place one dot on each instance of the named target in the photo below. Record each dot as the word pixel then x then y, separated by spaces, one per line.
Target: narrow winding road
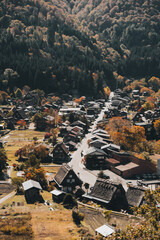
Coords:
pixel 85 175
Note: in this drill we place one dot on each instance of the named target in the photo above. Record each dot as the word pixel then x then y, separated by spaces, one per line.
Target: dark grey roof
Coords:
pixel 93 151
pixel 63 146
pixel 135 195
pixel 104 190
pixel 62 173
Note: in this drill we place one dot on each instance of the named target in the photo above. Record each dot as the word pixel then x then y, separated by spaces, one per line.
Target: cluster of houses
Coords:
pixel 104 192
pixel 104 154
pixel 140 117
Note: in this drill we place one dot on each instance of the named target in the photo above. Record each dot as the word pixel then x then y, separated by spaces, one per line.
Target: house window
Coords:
pixel 70 176
pixel 73 180
pixel 68 180
pixel 65 189
pixel 69 189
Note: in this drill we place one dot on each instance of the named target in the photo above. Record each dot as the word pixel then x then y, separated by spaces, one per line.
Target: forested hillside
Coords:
pixel 68 45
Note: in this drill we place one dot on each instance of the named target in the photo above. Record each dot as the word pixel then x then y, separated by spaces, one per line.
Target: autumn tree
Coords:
pixel 3 97
pixel 22 123
pixel 154 83
pixel 41 152
pixel 40 122
pixel 148 226
pixel 146 90
pixel 116 124
pixel 25 151
pixel 32 162
pixel 107 92
pixel 157 147
pixel 157 127
pixel 132 137
pixel 33 171
pixel 148 106
pixel 37 174
pixel 17 182
pixel 3 160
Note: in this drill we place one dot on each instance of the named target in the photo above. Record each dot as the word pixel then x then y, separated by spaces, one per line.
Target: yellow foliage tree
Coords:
pixel 107 91
pixel 154 83
pixel 157 126
pixel 148 106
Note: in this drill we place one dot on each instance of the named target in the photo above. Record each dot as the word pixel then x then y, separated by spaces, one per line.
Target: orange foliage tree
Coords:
pixel 36 174
pixel 116 124
pixel 126 135
pixel 22 123
pixel 147 90
pixel 157 127
pixel 132 137
pixel 34 171
pixel 79 100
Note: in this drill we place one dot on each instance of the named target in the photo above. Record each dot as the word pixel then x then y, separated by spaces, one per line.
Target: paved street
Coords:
pixel 85 175
pixel 7 197
pixel 88 176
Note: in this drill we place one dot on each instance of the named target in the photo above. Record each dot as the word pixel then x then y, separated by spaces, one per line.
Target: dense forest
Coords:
pixel 77 45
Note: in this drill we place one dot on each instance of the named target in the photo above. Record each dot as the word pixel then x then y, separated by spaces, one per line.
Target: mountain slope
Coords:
pixel 64 45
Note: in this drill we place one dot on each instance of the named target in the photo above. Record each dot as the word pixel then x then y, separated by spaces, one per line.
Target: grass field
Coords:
pixel 16 227
pixel 17 139
pixel 45 224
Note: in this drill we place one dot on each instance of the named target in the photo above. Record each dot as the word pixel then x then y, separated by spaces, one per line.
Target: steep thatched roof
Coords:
pixel 62 174
pixel 104 190
pixel 63 146
pixel 135 195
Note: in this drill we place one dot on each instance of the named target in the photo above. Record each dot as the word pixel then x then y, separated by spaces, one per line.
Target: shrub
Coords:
pixel 69 201
pixel 77 216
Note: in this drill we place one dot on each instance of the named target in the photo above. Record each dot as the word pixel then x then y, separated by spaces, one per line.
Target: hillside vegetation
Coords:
pixel 68 45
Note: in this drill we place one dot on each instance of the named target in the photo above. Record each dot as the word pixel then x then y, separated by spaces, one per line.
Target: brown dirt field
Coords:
pixel 95 219
pixel 46 224
pixel 55 225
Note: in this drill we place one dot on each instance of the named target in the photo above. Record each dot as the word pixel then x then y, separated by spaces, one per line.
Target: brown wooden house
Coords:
pixel 32 191
pixel 95 158
pixel 108 193
pixel 66 179
pixel 60 153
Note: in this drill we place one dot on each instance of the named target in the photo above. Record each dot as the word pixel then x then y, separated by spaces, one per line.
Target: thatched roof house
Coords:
pixel 66 179
pixel 109 193
pixel 135 195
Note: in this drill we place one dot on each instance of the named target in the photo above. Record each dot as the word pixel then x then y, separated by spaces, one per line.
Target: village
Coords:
pixel 64 155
